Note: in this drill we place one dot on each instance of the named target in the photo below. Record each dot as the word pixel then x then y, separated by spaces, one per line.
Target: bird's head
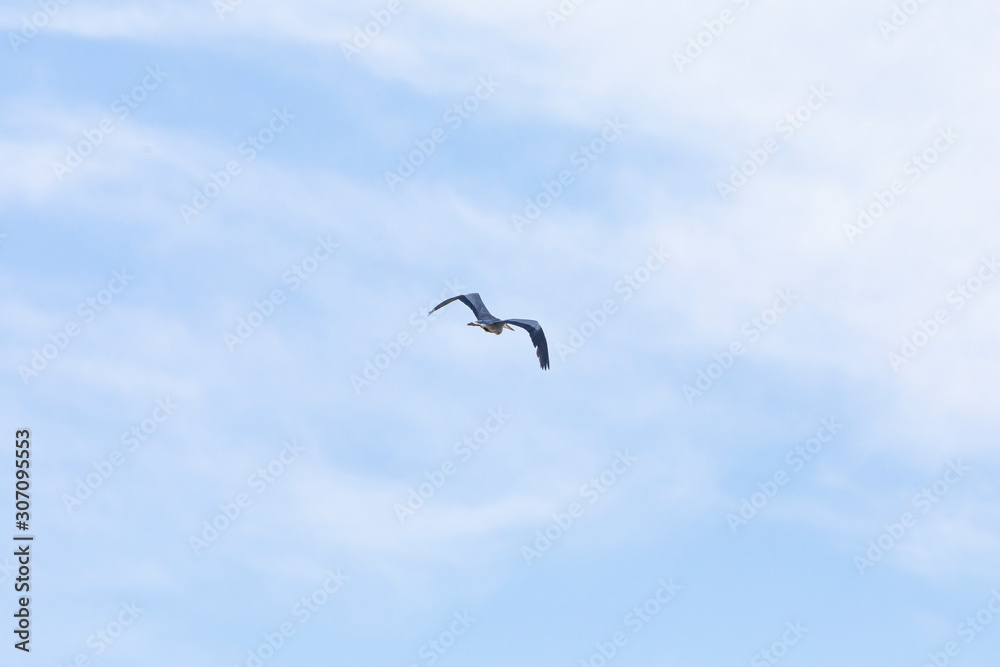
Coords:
pixel 508 327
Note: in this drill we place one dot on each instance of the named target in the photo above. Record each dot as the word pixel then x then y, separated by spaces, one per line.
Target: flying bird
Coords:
pixel 486 321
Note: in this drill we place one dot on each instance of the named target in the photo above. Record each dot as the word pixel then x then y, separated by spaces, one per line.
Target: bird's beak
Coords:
pixel 508 327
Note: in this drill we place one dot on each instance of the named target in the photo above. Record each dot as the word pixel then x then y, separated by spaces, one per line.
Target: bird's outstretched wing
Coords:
pixel 472 301
pixel 537 339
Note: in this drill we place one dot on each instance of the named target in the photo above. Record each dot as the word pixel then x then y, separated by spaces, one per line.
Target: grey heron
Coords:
pixel 486 321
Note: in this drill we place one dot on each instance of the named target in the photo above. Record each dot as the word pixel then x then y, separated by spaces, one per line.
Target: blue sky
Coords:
pixel 761 239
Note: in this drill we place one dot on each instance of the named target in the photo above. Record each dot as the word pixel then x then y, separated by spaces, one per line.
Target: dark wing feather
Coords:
pixel 471 300
pixel 537 339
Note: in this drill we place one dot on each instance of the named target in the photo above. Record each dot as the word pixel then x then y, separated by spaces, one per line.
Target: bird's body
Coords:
pixel 487 322
pixel 493 327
